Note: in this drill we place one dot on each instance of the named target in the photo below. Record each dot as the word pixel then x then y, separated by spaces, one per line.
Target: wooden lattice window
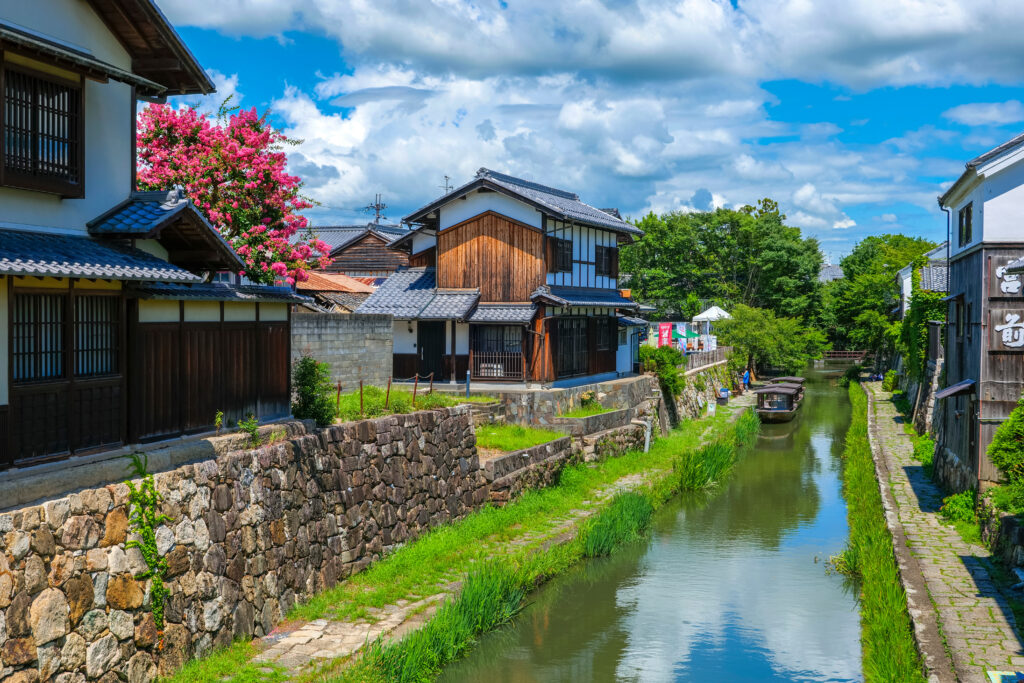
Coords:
pixel 37 337
pixel 42 133
pixel 573 356
pixel 97 335
pixel 604 333
pixel 563 256
pixel 604 261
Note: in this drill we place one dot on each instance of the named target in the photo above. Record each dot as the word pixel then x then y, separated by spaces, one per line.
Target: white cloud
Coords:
pixel 888 218
pixel 986 113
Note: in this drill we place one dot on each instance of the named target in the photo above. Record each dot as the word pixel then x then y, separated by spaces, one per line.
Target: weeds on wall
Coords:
pixel 251 427
pixel 890 380
pixel 218 420
pixel 144 517
pixel 960 510
pixel 668 364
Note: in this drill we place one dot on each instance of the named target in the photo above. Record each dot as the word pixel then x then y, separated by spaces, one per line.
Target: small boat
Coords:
pixel 778 402
pixel 787 380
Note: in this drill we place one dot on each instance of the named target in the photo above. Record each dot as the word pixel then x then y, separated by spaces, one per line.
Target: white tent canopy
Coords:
pixel 712 314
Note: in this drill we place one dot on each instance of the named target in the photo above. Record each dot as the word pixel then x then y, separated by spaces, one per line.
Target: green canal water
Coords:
pixel 729 587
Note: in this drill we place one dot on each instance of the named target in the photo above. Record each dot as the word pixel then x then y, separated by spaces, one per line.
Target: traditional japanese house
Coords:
pixel 363 250
pixel 984 336
pixel 109 331
pixel 517 282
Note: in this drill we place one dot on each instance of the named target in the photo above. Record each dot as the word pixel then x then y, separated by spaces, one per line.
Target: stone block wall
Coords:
pixel 534 467
pixel 612 442
pixel 357 346
pixel 701 388
pixel 251 532
pixel 579 426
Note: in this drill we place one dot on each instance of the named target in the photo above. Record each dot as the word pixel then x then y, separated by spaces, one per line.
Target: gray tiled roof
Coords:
pixel 219 291
pixel 628 321
pixel 42 254
pixel 557 203
pixel 403 295
pixel 503 313
pixel 1016 266
pixel 935 277
pixel 337 236
pixel 450 305
pixel 830 272
pixel 580 296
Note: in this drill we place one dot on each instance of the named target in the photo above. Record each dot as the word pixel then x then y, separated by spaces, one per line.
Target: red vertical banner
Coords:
pixel 664 334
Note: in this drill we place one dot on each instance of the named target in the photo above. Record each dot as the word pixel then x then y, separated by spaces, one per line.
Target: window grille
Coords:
pixel 563 256
pixel 97 332
pixel 41 133
pixel 497 351
pixel 966 218
pixel 604 334
pixel 603 261
pixel 37 337
pixel 573 356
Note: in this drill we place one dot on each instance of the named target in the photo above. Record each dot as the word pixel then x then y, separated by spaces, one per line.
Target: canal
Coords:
pixel 729 587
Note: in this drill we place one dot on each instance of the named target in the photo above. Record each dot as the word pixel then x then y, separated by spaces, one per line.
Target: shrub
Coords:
pixel 889 382
pixel 313 400
pixel 1007 447
pixel 665 362
pixel 852 374
pixel 1009 497
pixel 251 426
pixel 959 507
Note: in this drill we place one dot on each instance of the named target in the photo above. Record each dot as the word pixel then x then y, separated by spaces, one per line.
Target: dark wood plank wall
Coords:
pixel 368 254
pixel 6 454
pixel 502 257
pixel 405 365
pixel 181 374
pixel 425 259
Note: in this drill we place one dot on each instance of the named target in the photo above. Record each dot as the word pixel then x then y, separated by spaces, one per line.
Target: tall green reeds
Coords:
pixel 626 519
pixel 887 642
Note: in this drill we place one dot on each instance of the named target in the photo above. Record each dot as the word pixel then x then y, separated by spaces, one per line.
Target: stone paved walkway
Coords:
pixel 974 617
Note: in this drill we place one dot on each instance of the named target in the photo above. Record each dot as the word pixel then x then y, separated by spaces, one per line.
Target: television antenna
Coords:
pixel 447 187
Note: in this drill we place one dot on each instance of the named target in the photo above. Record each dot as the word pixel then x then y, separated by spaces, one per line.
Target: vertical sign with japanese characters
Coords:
pixel 1002 284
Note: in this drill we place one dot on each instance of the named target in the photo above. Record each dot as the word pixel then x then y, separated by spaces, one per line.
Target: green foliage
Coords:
pixel 730 257
pixel 666 362
pixel 959 507
pixel 504 437
pixel 852 374
pixel 313 391
pixel 924 306
pixel 1007 448
pixel 587 410
pixel 251 426
pixel 233 663
pixel 889 381
pixel 1009 497
pixel 856 308
pixel 144 516
pixel 888 651
pixel 624 520
pixel 218 420
pixel 764 339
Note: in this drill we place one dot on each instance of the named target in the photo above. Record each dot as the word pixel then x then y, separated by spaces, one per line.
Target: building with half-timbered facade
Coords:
pixel 512 281
pixel 110 329
pixel 984 335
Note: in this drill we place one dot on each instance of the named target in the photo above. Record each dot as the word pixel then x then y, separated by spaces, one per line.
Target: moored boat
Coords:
pixel 778 402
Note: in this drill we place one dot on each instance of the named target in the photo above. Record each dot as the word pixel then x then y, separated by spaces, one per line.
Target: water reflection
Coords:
pixel 729 587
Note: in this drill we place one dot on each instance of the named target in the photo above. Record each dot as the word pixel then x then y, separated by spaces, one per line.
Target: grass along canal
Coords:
pixel 730 585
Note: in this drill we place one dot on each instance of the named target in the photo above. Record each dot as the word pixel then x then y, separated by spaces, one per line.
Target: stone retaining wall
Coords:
pixel 951 473
pixel 534 467
pixel 579 426
pixel 701 388
pixel 251 532
pixel 612 442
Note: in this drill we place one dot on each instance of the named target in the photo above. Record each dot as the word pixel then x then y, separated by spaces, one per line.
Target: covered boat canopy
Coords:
pixel 790 380
pixel 778 389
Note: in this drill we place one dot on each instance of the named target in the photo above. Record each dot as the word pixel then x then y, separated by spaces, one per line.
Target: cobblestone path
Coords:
pixel 301 646
pixel 973 616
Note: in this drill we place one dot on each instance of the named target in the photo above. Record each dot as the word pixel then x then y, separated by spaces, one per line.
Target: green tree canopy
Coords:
pixel 729 257
pixel 770 341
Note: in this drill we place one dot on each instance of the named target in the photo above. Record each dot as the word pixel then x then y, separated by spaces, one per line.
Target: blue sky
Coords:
pixel 853 116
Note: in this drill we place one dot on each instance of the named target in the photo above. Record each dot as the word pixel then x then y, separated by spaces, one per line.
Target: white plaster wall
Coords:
pixel 3 341
pixel 459 210
pixel 107 120
pixel 274 312
pixel 202 311
pixel 404 341
pixel 421 242
pixel 461 338
pixel 239 312
pixel 159 311
pixel 153 247
pixel 1004 205
pixel 70 21
pixel 977 220
pixel 585 241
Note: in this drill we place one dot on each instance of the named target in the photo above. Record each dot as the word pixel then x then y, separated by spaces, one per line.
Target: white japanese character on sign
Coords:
pixel 1008 284
pixel 1012 331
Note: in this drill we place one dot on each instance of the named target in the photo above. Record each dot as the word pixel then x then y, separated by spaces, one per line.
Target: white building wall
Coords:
pixel 1003 196
pixel 975 197
pixel 585 241
pixel 461 339
pixel 404 336
pixel 421 242
pixel 475 203
pixel 108 109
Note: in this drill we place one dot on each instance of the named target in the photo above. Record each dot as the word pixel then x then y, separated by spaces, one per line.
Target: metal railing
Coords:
pixel 497 365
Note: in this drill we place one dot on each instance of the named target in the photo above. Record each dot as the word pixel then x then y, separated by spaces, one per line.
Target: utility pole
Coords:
pixel 377 208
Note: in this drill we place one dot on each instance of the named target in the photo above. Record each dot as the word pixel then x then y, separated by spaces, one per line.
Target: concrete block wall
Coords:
pixel 357 346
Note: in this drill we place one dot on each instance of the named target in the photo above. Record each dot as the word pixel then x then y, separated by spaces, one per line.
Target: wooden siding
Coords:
pixel 425 259
pixel 502 257
pixel 368 254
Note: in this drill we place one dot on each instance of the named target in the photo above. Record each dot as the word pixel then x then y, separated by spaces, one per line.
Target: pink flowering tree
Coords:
pixel 235 171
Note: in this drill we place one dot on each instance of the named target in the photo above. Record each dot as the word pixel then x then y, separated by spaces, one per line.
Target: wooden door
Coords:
pixel 430 343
